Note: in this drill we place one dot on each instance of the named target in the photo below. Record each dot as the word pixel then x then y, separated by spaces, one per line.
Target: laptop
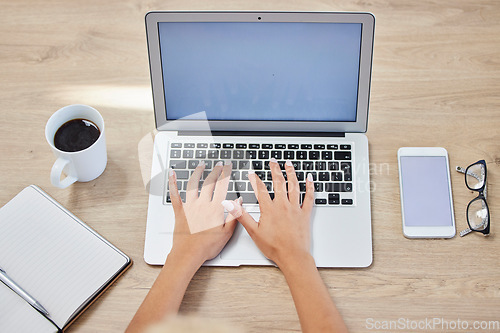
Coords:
pixel 249 86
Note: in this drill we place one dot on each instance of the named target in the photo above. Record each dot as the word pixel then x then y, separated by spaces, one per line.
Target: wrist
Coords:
pixel 184 259
pixel 295 260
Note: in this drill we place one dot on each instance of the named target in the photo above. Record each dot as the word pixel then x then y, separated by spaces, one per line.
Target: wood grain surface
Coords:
pixel 435 82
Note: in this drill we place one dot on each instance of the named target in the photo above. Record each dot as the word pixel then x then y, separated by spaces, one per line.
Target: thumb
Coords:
pixel 238 212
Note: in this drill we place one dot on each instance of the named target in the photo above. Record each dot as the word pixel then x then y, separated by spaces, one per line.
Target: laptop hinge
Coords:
pixel 264 133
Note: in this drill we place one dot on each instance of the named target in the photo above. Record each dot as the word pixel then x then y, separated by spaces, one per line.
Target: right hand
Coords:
pixel 283 230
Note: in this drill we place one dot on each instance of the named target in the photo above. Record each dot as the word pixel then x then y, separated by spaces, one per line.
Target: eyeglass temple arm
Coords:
pixel 462 170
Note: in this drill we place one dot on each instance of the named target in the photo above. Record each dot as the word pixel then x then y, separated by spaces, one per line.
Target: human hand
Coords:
pixel 200 231
pixel 283 231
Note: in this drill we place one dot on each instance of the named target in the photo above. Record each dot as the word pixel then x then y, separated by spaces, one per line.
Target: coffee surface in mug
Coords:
pixel 76 135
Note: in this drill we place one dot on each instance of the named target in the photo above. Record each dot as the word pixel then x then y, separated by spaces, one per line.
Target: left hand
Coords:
pixel 200 231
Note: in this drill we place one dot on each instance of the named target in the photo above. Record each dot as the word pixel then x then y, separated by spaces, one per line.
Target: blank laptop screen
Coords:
pixel 261 71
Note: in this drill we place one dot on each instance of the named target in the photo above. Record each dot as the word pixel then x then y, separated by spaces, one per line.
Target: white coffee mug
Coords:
pixel 83 165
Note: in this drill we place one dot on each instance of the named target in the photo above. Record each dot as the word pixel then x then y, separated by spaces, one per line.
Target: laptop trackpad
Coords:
pixel 241 247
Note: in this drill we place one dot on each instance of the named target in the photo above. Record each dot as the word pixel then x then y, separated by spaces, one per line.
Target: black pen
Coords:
pixel 21 292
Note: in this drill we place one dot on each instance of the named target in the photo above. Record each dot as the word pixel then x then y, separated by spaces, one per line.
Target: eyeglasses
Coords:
pixel 478 214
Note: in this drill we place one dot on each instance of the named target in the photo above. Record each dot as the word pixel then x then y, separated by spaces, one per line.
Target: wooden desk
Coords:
pixel 436 82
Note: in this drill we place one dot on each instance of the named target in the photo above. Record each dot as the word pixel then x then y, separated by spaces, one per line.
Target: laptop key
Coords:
pixel 192 164
pixel 251 154
pixel 324 176
pixel 257 165
pixel 267 146
pixel 189 145
pixel 308 165
pixel 333 165
pixel 333 199
pixel 241 146
pixel 225 154
pixel 215 145
pixel 320 201
pixel 238 154
pixel 293 146
pixel 320 165
pixel 176 145
pixel 321 146
pixel 276 154
pixel 288 155
pixel 178 164
pixel 301 155
pixel 254 146
pixel 248 198
pixel 261 174
pixel 240 186
pixel 345 147
pixel 337 176
pixel 347 201
pixel 201 154
pixel 280 146
pixel 338 187
pixel 342 155
pixel 332 147
pixel 187 154
pixel 263 154
pixel 314 155
pixel 228 145
pixel 305 146
pixel 213 154
pixel 346 167
pixel 326 155
pixel 175 153
pixel 182 174
pixel 231 196
pixel 244 165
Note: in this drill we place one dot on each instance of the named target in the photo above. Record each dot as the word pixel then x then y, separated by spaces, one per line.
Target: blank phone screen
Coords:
pixel 426 194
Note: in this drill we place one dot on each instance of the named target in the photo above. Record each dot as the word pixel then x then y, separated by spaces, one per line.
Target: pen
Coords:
pixel 21 292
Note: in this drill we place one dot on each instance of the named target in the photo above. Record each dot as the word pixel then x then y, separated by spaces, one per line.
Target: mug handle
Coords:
pixel 57 169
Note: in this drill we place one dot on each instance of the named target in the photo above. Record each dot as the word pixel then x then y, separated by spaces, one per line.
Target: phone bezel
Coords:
pixel 426 231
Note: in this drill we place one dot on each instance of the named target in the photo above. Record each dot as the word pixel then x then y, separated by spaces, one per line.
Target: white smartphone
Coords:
pixel 425 188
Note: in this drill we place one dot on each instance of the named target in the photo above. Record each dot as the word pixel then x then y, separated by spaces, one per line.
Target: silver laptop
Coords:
pixel 249 86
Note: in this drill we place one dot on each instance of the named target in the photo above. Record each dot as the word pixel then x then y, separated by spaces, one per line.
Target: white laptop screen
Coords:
pixel 261 71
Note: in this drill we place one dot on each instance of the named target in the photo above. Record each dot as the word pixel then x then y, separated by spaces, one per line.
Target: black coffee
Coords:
pixel 76 135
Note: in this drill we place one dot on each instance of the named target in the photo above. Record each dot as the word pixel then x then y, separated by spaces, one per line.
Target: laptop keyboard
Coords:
pixel 330 164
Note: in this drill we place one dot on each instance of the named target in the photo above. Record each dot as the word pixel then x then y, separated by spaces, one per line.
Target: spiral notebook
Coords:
pixel 55 258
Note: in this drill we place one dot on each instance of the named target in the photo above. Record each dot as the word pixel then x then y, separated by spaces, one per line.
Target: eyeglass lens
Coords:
pixel 474 177
pixel 478 214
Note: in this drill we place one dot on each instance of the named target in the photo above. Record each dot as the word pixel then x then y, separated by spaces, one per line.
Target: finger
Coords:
pixel 293 184
pixel 248 223
pixel 209 184
pixel 223 182
pixel 175 198
pixel 233 207
pixel 230 225
pixel 194 182
pixel 278 180
pixel 260 189
pixel 307 205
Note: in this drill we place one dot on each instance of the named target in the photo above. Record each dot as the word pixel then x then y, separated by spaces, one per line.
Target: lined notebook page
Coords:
pixel 18 316
pixel 52 256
